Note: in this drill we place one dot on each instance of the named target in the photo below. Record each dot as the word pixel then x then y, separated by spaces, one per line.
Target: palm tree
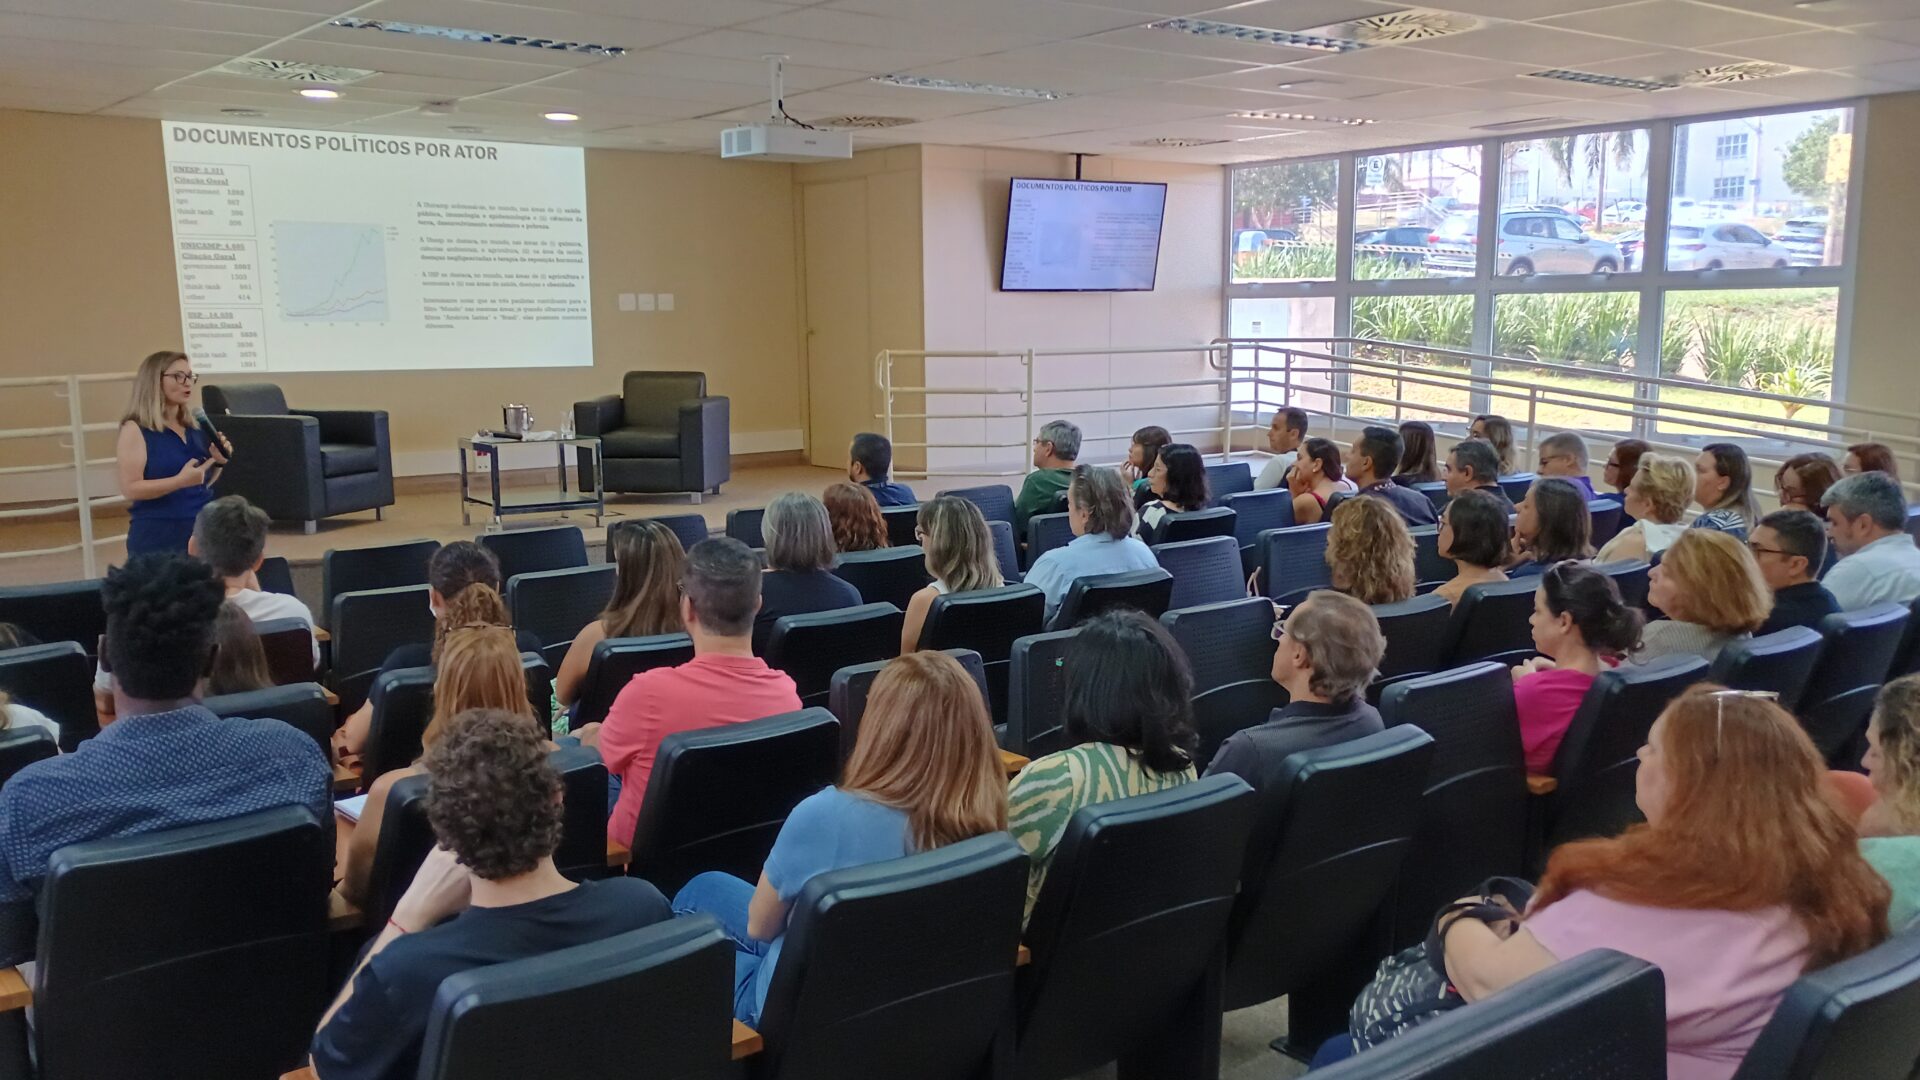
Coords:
pixel 1621 145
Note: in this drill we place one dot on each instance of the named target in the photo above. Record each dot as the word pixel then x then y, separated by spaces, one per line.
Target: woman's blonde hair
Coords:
pixel 1719 584
pixel 1896 720
pixel 959 544
pixel 1666 482
pixel 1370 552
pixel 647 560
pixel 147 402
pixel 1498 431
pixel 479 668
pixel 926 748
pixel 477 604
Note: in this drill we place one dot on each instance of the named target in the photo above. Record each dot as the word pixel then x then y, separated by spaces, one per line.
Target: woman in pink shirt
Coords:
pixel 1714 889
pixel 1581 627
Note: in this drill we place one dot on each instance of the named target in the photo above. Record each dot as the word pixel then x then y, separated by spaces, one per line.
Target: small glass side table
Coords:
pixel 489 449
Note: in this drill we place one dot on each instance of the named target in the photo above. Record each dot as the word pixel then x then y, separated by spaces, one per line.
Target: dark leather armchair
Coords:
pixel 661 434
pixel 305 465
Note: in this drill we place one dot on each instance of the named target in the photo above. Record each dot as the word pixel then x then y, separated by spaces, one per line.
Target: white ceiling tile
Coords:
pixel 1295 81
pixel 1049 20
pixel 1677 22
pixel 1441 100
pixel 181 14
pixel 1813 86
pixel 1303 14
pixel 714 13
pixel 1518 9
pixel 1028 74
pixel 419 62
pixel 43 100
pixel 1829 13
pixel 1905 73
pixel 1412 65
pixel 83 56
pixel 1907 30
pixel 134 35
pixel 1130 63
pixel 1661 64
pixel 859 28
pixel 1824 49
pixel 1158 7
pixel 746 45
pixel 1535 45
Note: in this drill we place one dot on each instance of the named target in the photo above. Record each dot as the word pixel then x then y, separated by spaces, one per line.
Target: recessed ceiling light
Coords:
pixel 322 93
pixel 1593 78
pixel 243 112
pixel 1257 35
pixel 861 120
pixel 1176 142
pixel 1308 118
pixel 483 37
pixel 561 117
pixel 928 82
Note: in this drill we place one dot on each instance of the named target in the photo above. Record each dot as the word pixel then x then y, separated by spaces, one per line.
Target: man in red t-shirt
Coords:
pixel 724 683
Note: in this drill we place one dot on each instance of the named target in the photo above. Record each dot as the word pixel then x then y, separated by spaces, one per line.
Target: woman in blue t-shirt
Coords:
pixel 166 467
pixel 924 774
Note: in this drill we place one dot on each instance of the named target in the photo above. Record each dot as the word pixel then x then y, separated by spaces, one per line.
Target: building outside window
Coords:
pixel 1729 187
pixel 1731 147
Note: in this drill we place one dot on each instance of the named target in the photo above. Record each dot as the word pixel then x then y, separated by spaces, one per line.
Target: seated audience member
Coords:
pixel 1284 435
pixel 799 577
pixel 960 558
pixel 1789 546
pixel 1581 627
pixel 1418 464
pixel 924 774
pixel 1878 562
pixel 1473 533
pixel 869 463
pixel 1715 889
pixel 1315 478
pixel 724 683
pixel 1474 465
pixel 450 572
pixel 1622 463
pixel 854 517
pixel 647 562
pixel 1552 524
pixel 239 662
pixel 1498 433
pixel 161 761
pixel 1142 452
pixel 1129 708
pixel 1370 463
pixel 1803 479
pixel 1656 500
pixel 1179 484
pixel 1054 452
pixel 1370 553
pixel 1330 649
pixel 13 714
pixel 1723 486
pixel 1870 457
pixel 1712 593
pixel 1890 829
pixel 1103 540
pixel 1564 455
pixel 487 894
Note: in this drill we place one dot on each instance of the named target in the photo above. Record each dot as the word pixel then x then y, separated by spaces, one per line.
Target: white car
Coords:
pixel 1723 245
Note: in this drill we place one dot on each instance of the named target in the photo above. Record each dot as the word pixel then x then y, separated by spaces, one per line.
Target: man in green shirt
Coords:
pixel 1054 451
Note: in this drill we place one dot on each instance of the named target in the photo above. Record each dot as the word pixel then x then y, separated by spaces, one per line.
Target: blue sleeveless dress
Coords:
pixel 165 523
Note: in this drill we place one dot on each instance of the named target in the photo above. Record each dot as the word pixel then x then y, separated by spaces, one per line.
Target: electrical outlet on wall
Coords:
pixel 666 301
pixel 626 301
pixel 646 301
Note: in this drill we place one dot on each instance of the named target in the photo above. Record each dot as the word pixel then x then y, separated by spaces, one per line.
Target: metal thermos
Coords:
pixel 516 419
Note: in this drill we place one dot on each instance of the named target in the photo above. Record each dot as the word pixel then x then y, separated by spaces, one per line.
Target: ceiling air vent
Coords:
pixel 1400 27
pixel 1175 143
pixel 293 71
pixel 858 121
pixel 1733 73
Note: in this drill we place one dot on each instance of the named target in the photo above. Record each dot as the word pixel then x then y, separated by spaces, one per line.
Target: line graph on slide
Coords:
pixel 330 271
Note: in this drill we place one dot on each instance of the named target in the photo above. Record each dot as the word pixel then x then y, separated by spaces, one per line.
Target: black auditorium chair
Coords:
pixel 1137 885
pixel 1205 571
pixel 303 705
pixel 614 663
pixel 1194 525
pixel 717 796
pixel 582 852
pixel 1474 811
pixel 403 706
pixel 406 838
pixel 1490 623
pixel 1005 551
pixel 529 551
pixel 220 969
pixel 1229 648
pixel 663 433
pixel 888 575
pixel 1517 484
pixel 57 679
pixel 1630 577
pixel 671 984
pixel 847 699
pixel 1416 633
pixel 62 611
pixel 1046 532
pixel 813 646
pixel 1293 562
pixel 1427 563
pixel 288 646
pixel 744 526
pixel 275 575
pixel 1254 512
pixel 994 500
pixel 988 621
pixel 1228 478
pixel 1148 591
pixel 1604 516
pixel 1600 1016
pixel 1599 756
pixel 902 521
pixel 1907 661
pixel 902 968
pixel 388 566
pixel 1037 694
pixel 301 464
pixel 690 529
pixel 21 747
pixel 1436 493
pixel 368 625
pixel 1858 1019
pixel 1780 662
pixel 555 605
pixel 1860 648
pixel 1324 851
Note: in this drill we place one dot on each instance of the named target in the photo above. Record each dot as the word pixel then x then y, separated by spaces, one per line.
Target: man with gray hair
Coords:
pixel 1878 562
pixel 1565 455
pixel 1055 450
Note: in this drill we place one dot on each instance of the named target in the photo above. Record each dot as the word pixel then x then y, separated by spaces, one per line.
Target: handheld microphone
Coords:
pixel 207 429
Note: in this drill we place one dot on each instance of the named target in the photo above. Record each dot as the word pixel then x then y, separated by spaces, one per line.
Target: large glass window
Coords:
pixel 1779 341
pixel 1573 204
pixel 1283 221
pixel 1437 390
pixel 1416 212
pixel 1760 191
pixel 1280 317
pixel 1582 330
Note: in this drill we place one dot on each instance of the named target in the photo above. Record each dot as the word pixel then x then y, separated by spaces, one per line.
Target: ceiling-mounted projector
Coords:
pixel 785 142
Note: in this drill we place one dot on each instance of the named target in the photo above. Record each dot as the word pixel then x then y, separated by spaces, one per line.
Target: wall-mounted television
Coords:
pixel 1082 236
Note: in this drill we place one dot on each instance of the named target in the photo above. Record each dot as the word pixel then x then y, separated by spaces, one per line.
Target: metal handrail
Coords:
pixel 75 431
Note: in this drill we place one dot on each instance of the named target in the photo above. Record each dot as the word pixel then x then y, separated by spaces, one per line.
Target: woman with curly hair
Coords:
pixel 855 517
pixel 1891 826
pixel 1370 552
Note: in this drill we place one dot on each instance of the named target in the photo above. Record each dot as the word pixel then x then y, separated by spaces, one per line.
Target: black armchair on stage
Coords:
pixel 661 435
pixel 301 465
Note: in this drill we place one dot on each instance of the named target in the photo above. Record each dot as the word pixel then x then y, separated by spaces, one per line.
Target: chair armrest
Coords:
pixel 599 416
pixel 705 446
pixel 618 853
pixel 361 427
pixel 304 1072
pixel 1542 785
pixel 14 991
pixel 346 779
pixel 342 914
pixel 1012 762
pixel 746 1041
pixel 276 464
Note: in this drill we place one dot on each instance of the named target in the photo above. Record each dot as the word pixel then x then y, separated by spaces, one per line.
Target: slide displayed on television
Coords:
pixel 1082 236
pixel 332 251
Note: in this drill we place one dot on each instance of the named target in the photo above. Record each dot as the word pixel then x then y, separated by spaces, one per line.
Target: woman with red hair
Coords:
pixel 1744 876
